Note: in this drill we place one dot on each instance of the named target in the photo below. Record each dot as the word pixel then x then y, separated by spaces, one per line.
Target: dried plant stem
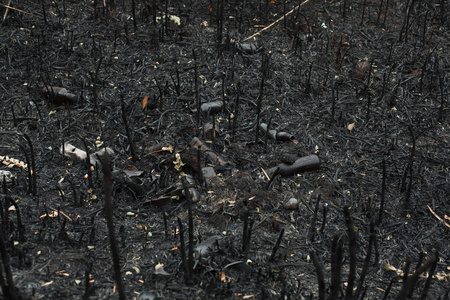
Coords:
pixel 107 178
pixel 352 253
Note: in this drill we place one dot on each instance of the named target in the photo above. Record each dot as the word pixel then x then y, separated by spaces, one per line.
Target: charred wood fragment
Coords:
pixel 275 135
pixel 302 164
pixel 59 96
pixel 107 177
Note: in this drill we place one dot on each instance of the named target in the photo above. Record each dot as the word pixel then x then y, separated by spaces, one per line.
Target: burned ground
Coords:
pixel 361 85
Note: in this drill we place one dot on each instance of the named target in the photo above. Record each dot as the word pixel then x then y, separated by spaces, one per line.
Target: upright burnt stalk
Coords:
pixel 362 14
pixel 385 13
pixel 94 82
pixel 423 296
pixel 336 266
pixel 264 70
pixel 352 248
pixel 409 170
pixel 365 268
pixel 405 26
pixel 412 280
pixel 334 95
pixel 27 158
pixel 379 12
pixel 33 164
pixel 197 96
pixel 127 129
pixel 188 196
pixel 8 288
pixel 133 8
pixel 107 178
pixel 402 294
pixel 236 110
pixel 383 193
pixel 441 107
pixel 87 163
pixel 320 275
pixel 245 232
pixel 312 229
pixel 187 273
pixel 219 26
pixel 277 245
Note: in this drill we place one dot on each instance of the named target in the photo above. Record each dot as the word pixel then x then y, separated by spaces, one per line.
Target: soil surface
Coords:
pixel 175 91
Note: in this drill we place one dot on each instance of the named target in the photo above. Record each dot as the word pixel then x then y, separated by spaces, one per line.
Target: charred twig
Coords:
pixel 365 268
pixel 245 232
pixel 127 129
pixel 312 229
pixel 324 220
pixel 277 245
pixel 107 177
pixel 433 266
pixel 33 164
pixel 183 252
pixel 196 90
pixel 336 266
pixel 383 193
pixel 277 21
pixel 352 253
pixel 236 111
pixel 302 164
pixel 187 194
pixel 27 158
pixel 275 135
pixel 264 70
pixel 402 294
pixel 166 230
pixel 320 275
pixel 88 163
pixel 9 289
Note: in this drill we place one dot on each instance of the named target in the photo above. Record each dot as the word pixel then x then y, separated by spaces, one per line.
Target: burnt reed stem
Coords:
pixel 352 248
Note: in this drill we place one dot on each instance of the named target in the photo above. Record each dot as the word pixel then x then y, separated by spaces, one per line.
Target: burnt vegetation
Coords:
pixel 162 149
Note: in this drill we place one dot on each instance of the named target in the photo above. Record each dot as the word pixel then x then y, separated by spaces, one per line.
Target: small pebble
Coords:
pixel 292 204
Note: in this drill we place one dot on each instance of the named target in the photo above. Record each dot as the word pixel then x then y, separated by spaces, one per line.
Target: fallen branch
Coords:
pixel 305 163
pixel 277 21
pixel 437 217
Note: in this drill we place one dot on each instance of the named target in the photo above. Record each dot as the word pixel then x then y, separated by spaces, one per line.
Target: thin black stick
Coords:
pixel 27 158
pixel 9 290
pixel 441 107
pixel 245 232
pixel 107 178
pixel 379 12
pixel 183 251
pixel 320 276
pixel 236 111
pixel 430 277
pixel 264 68
pixel 277 245
pixel 166 231
pixel 365 268
pixel 334 95
pixel 402 294
pixel 383 193
pixel 196 91
pixel 33 163
pixel 352 253
pixel 87 163
pixel 409 169
pixel 336 266
pixel 312 229
pixel 133 8
pixel 127 129
pixel 187 194
pixel 324 220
